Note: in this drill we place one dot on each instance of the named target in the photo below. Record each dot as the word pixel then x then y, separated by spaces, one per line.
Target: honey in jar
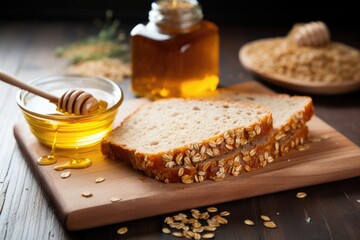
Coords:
pixel 176 54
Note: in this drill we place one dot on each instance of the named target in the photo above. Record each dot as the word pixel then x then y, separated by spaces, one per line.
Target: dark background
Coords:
pixel 335 13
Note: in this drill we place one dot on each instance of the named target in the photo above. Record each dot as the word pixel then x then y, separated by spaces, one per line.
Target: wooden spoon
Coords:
pixel 77 102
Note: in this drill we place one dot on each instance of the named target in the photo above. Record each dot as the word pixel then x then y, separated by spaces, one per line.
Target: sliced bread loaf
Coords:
pixel 290 114
pixel 178 131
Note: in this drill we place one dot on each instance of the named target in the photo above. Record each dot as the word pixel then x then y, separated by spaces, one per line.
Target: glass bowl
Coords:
pixel 52 127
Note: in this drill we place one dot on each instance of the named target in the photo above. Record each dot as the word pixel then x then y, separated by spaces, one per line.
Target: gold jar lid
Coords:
pixel 175 16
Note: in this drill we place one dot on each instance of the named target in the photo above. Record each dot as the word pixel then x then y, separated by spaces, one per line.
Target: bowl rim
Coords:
pixel 70 117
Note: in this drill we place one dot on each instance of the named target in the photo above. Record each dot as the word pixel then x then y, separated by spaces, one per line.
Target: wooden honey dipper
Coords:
pixel 313 34
pixel 77 102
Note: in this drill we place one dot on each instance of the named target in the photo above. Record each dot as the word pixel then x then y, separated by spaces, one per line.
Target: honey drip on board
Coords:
pixel 75 162
pixel 50 158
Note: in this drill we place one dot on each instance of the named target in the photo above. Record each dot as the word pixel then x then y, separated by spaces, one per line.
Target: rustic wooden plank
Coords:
pixel 9 61
pixel 289 223
pixel 347 214
pixel 17 182
pixel 25 53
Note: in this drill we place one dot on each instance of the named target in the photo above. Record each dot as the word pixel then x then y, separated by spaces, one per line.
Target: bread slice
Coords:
pixel 244 159
pixel 175 131
pixel 289 112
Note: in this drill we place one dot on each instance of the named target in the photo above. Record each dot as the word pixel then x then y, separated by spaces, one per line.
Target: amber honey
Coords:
pixel 70 132
pixel 61 130
pixel 177 56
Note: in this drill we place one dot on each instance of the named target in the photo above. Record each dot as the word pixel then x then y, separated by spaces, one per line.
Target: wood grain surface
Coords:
pixel 333 159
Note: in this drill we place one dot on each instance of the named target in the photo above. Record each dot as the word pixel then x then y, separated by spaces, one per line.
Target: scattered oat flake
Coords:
pixel 65 174
pixel 225 213
pixel 265 218
pixel 166 230
pixel 221 220
pixel 301 148
pixel 197 236
pixel 358 200
pixel 115 199
pixel 86 194
pixel 325 137
pixel 208 235
pixel 177 234
pixel 210 228
pixel 122 230
pixel 99 179
pixel 249 222
pixel 301 194
pixel 193 227
pixel 212 209
pixel 270 224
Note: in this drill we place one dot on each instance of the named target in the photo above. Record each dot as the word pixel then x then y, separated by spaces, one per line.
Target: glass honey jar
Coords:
pixel 175 54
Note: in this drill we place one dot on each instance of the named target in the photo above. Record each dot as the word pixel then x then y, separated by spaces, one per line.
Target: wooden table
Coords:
pixel 330 211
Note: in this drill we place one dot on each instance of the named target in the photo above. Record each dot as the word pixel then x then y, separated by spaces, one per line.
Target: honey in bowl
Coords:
pixel 54 128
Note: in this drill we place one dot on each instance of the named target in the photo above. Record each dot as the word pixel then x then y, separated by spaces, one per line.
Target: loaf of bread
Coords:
pixel 219 139
pixel 290 114
pixel 178 131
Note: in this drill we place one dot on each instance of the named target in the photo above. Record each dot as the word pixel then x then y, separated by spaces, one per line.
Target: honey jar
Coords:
pixel 175 54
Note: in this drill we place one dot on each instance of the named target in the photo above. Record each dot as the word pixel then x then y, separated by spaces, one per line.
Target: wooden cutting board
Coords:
pixel 333 159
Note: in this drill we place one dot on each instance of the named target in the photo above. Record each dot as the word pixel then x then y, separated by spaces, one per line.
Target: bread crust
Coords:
pixel 253 156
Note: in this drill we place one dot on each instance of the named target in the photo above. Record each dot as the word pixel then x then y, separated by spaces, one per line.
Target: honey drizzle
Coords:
pixel 50 158
pixel 76 162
